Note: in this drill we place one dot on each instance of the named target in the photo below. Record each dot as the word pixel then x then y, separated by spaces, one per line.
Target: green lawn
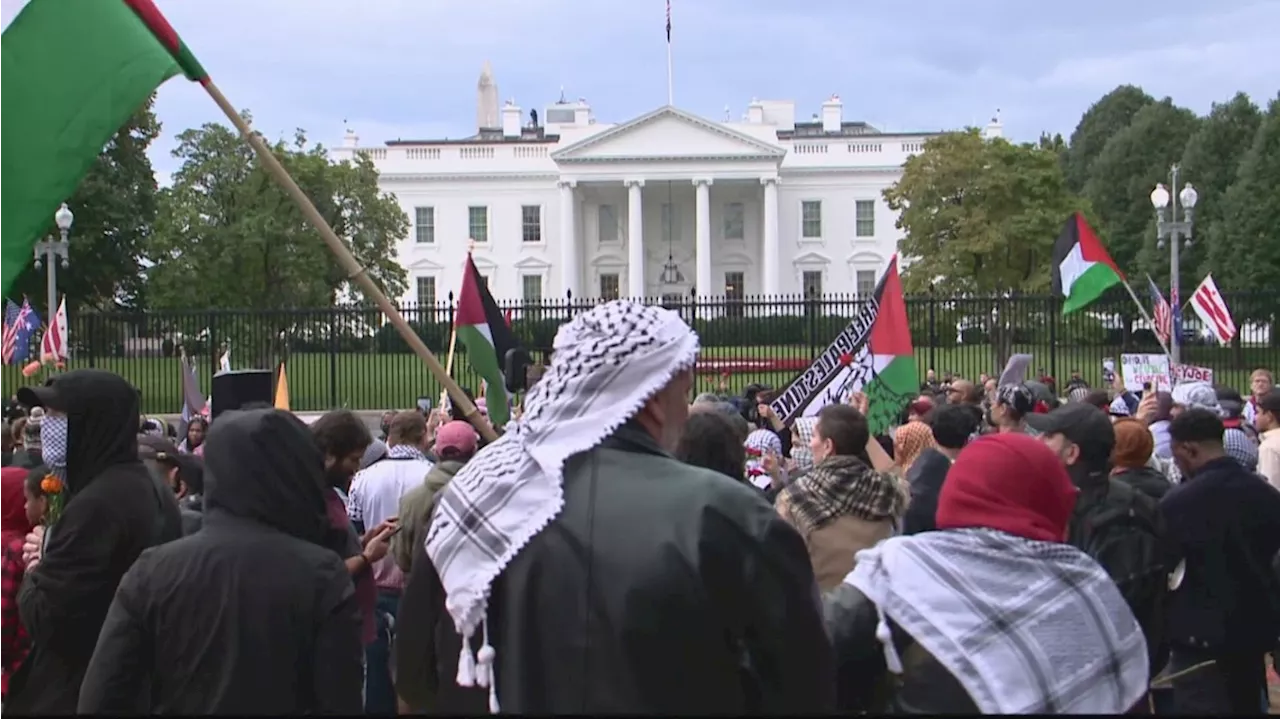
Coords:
pixel 379 381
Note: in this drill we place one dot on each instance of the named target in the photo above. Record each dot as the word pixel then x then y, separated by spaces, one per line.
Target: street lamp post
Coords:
pixel 1169 227
pixel 50 251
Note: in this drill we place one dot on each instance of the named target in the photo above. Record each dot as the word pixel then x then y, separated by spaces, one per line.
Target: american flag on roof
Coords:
pixel 1162 315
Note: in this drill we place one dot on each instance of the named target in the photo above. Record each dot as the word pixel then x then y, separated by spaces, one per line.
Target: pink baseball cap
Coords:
pixel 458 436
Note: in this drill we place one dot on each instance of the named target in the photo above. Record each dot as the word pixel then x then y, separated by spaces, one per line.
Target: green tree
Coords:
pixel 1122 176
pixel 979 219
pixel 1212 162
pixel 227 236
pixel 1109 115
pixel 114 206
pixel 1244 249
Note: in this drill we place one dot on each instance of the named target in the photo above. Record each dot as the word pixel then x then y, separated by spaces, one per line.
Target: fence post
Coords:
pixel 933 328
pixel 1053 338
pixel 93 325
pixel 333 357
pixel 812 305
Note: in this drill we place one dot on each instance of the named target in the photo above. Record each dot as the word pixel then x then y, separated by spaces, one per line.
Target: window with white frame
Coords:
pixel 610 287
pixel 478 223
pixel 531 288
pixel 865 281
pixel 865 218
pixel 531 223
pixel 811 283
pixel 811 219
pixel 608 216
pixel 734 221
pixel 426 292
pixel 424 225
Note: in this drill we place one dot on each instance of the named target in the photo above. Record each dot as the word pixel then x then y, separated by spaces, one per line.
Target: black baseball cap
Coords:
pixel 46 396
pixel 1080 423
pixel 190 467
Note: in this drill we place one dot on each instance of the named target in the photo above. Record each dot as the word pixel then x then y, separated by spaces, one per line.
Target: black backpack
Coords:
pixel 1123 530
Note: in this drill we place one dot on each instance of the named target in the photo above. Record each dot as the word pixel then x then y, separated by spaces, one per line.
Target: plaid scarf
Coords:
pixel 840 486
pixel 1026 627
pixel 608 362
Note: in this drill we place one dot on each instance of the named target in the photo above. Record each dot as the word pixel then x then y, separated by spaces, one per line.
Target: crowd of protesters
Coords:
pixel 621 549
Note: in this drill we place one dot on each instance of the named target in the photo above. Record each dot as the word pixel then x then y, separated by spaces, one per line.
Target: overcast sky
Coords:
pixel 408 68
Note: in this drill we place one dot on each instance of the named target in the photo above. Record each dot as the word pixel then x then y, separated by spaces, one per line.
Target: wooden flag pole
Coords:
pixel 350 264
pixel 453 332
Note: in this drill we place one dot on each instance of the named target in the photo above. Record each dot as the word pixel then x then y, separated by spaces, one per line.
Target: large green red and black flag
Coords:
pixel 484 331
pixel 74 71
pixel 1082 269
pixel 872 355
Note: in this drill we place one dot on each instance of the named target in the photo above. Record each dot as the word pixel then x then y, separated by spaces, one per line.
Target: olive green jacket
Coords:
pixel 415 508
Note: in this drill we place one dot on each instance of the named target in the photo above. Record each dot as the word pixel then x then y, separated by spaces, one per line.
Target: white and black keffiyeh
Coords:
pixel 1026 627
pixel 608 362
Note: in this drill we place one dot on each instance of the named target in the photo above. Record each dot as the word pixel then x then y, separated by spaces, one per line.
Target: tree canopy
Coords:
pixel 226 236
pixel 114 208
pixel 1109 115
pixel 980 216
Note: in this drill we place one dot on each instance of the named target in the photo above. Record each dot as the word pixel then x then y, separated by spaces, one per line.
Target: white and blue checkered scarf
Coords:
pixel 1026 627
pixel 608 362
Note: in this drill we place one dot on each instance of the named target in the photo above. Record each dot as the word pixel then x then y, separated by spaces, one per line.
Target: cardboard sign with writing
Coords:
pixel 1144 369
pixel 1191 373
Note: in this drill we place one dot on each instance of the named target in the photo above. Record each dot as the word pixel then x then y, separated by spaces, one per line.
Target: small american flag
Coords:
pixel 19 323
pixel 668 22
pixel 11 314
pixel 1162 314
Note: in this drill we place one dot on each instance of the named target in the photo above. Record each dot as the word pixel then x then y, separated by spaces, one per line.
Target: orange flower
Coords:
pixel 51 484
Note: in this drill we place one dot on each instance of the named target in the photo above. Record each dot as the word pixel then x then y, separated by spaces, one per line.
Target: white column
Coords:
pixel 635 239
pixel 703 237
pixel 569 274
pixel 769 263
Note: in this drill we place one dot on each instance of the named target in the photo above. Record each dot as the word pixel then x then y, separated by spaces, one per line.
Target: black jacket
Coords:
pixel 926 477
pixel 1146 480
pixel 250 615
pixel 863 683
pixel 115 509
pixel 1226 523
pixel 660 588
pixel 192 509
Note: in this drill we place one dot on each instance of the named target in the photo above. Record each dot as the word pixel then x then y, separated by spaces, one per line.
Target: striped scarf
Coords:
pixel 840 486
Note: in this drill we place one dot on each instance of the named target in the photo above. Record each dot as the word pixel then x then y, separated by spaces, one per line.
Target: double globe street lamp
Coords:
pixel 49 252
pixel 1170 228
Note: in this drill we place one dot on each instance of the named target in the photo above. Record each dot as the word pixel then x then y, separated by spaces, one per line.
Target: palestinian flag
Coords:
pixel 872 355
pixel 73 74
pixel 484 332
pixel 1082 269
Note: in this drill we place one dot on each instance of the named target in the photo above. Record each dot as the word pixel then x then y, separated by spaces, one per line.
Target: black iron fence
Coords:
pixel 350 357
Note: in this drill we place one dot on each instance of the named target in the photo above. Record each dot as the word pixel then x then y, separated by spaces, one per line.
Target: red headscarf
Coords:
pixel 1010 482
pixel 15 524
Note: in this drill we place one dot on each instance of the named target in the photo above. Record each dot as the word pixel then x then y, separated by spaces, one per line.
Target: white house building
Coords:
pixel 665 204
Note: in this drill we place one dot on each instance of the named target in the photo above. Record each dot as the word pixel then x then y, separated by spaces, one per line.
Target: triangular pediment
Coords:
pixel 812 258
pixel 425 264
pixel 668 133
pixel 533 263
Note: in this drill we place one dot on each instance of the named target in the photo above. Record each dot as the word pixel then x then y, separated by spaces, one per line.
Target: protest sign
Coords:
pixel 1146 369
pixel 1191 373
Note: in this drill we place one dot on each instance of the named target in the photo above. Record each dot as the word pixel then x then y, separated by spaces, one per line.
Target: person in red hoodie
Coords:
pixel 22 511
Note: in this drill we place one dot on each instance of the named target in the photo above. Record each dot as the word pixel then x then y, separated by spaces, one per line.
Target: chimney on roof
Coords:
pixel 832 114
pixel 511 119
pixel 487 100
pixel 755 112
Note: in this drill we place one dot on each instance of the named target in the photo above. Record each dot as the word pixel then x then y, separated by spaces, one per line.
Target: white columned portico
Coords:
pixel 568 240
pixel 769 263
pixel 703 236
pixel 635 239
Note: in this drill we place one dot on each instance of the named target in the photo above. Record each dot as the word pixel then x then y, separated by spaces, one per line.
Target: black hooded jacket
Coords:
pixel 114 509
pixel 250 615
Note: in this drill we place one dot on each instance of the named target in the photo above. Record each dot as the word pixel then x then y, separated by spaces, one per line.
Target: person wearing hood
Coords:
pixel 252 615
pixel 993 613
pixel 114 509
pixel 606 576
pixel 1131 459
pixel 17 523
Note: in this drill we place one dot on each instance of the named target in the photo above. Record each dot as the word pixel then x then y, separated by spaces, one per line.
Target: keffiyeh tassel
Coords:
pixel 477 670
